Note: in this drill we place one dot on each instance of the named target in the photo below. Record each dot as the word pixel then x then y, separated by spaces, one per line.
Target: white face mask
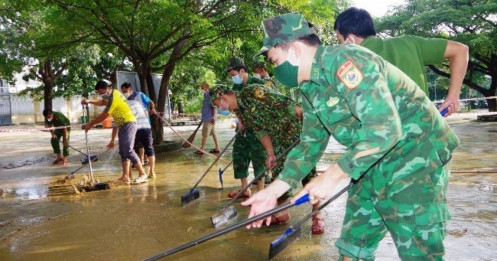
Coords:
pixel 127 94
pixel 49 119
pixel 349 40
pixel 258 76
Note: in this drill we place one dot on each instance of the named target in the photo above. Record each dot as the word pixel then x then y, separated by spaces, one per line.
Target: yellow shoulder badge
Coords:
pixel 350 75
pixel 268 84
pixel 259 93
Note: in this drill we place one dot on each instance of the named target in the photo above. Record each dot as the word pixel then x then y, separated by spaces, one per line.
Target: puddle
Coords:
pixel 135 222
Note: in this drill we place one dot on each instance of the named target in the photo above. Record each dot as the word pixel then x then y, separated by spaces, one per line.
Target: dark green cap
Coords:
pixel 283 28
pixel 217 91
pixel 235 62
pixel 259 64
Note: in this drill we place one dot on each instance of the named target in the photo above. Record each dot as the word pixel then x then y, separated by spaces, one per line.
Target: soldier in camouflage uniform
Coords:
pixel 398 144
pixel 246 147
pixel 276 121
pixel 260 70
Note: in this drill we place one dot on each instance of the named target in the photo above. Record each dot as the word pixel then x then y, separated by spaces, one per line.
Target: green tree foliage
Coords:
pixel 472 22
pixel 187 41
pixel 37 39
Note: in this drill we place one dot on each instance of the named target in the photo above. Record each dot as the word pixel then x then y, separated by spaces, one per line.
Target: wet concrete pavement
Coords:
pixel 132 223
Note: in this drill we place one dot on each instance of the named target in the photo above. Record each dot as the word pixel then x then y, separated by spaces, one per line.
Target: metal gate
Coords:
pixel 132 77
pixel 5 107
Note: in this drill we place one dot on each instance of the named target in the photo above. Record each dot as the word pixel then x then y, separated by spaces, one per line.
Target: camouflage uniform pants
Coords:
pixel 279 149
pixel 411 207
pixel 56 142
pixel 247 148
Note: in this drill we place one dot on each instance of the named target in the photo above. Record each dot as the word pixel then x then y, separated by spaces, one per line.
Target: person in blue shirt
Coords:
pixel 209 116
pixel 144 139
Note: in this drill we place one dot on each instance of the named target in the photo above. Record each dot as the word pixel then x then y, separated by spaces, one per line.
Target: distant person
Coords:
pixel 260 72
pixel 408 53
pixel 117 106
pixel 57 119
pixel 246 147
pixel 209 116
pixel 144 142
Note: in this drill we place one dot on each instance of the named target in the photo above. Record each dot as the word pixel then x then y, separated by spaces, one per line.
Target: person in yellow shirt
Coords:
pixel 124 118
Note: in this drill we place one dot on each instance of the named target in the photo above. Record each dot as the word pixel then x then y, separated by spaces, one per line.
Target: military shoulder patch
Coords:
pixel 268 84
pixel 349 75
pixel 259 93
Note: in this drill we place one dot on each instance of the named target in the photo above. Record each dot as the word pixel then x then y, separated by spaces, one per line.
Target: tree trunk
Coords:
pixel 47 95
pixel 156 122
pixel 492 103
pixel 147 87
pixel 142 75
pixel 157 125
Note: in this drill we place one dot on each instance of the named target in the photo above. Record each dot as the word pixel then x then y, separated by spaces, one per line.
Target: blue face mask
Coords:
pixel 237 79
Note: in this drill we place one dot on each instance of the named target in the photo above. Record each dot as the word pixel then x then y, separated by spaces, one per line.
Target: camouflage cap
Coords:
pixel 235 62
pixel 217 91
pixel 283 28
pixel 259 64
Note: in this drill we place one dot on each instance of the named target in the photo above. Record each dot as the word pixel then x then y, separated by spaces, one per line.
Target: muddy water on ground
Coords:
pixel 134 222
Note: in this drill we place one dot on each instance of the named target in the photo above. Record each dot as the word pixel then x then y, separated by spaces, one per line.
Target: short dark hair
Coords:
pixel 46 112
pixel 126 85
pixel 101 85
pixel 239 68
pixel 309 40
pixel 355 21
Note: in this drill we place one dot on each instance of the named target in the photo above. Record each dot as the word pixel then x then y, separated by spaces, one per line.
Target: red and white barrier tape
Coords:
pixel 41 129
pixel 186 114
pixel 185 140
pixel 472 99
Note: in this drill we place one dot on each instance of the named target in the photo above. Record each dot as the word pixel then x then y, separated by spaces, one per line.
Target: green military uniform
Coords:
pixel 246 147
pixel 59 120
pixel 273 114
pixel 398 147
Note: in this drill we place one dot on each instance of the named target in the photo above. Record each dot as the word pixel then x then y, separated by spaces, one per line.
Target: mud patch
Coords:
pixel 25 162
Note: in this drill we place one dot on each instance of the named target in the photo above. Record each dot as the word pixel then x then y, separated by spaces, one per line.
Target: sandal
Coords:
pixel 56 161
pixel 280 220
pixel 141 179
pixel 232 194
pixel 120 181
pixel 214 151
pixel 317 226
pixel 198 152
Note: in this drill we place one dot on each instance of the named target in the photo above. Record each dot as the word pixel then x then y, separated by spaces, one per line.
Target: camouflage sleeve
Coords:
pixel 362 80
pixel 313 141
pixel 252 110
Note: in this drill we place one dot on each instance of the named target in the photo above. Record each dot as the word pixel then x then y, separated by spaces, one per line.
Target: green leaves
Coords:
pixel 472 22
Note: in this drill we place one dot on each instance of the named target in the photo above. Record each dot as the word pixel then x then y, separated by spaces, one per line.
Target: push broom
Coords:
pixel 215 234
pixel 294 232
pixel 229 211
pixel 194 193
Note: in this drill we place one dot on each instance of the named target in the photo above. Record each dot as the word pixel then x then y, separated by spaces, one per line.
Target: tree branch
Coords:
pixel 468 82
